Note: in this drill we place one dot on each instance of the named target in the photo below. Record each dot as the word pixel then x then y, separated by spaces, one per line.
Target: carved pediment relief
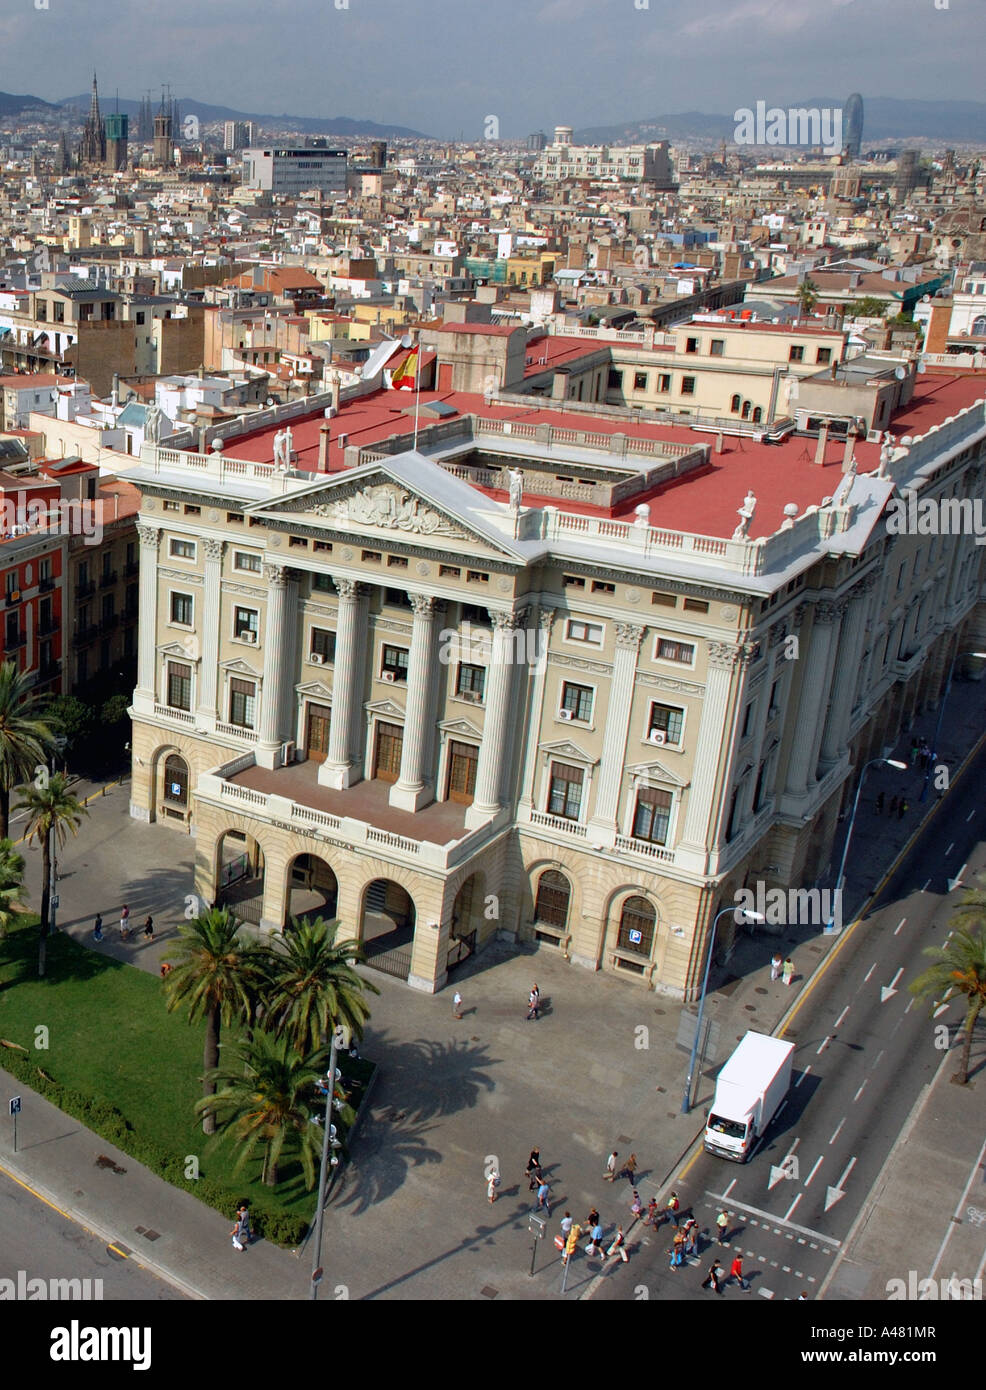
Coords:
pixel 650 773
pixel 565 748
pixel 386 708
pixel 238 667
pixel 460 728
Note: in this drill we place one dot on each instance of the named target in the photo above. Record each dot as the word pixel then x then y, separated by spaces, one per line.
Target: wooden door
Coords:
pixel 463 761
pixel 317 732
pixel 387 754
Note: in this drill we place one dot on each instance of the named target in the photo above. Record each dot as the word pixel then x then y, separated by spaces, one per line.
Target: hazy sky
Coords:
pixel 443 66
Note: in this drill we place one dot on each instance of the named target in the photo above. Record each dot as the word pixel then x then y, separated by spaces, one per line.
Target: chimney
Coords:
pixel 202 440
pixel 116 506
pixel 847 453
pixel 823 439
pixel 323 447
pixel 336 390
pixel 115 397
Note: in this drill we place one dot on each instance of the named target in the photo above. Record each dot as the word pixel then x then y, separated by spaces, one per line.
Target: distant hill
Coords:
pixel 303 125
pixel 885 118
pixel 11 105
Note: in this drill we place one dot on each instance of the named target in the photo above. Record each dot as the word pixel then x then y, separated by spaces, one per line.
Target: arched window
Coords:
pixel 979 327
pixel 551 903
pixel 746 410
pixel 757 415
pixel 176 780
pixel 734 404
pixel 637 922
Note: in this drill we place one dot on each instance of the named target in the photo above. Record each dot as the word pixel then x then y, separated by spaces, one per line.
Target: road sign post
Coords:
pixel 15 1110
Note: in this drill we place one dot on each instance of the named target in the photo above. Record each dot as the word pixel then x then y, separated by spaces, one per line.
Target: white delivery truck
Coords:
pixel 749 1090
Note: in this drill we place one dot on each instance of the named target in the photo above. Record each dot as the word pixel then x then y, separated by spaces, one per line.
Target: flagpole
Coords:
pixel 417 394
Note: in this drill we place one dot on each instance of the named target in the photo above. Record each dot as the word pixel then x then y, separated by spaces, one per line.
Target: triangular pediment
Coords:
pixel 238 667
pixel 318 688
pixel 188 648
pixel 565 748
pixel 411 499
pixel 384 707
pixel 655 772
pixel 461 727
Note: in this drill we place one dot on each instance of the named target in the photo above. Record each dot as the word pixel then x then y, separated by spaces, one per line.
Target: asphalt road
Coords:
pixel 44 1244
pixel 864 1049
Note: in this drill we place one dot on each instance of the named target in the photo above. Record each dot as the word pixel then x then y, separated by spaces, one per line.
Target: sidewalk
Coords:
pixel 936 1166
pixel 410 1219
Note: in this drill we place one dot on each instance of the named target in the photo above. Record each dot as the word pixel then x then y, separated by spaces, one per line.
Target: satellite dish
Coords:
pixel 900 373
pixel 926 299
pixel 269 400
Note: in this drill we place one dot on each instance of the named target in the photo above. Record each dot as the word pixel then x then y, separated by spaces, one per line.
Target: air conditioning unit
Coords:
pixel 287 754
pixel 389 677
pixel 248 635
pixel 472 695
pixel 317 659
pixel 657 736
pixel 566 714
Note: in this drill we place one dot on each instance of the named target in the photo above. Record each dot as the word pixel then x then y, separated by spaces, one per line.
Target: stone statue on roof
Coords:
pixel 153 415
pixel 516 487
pixel 745 514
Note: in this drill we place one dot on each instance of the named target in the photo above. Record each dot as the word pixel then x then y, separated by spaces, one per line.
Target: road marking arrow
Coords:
pixel 787 1168
pixel 956 882
pixel 888 991
pixel 835 1194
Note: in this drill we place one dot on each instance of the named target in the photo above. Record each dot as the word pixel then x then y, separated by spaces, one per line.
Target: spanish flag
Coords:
pixel 405 376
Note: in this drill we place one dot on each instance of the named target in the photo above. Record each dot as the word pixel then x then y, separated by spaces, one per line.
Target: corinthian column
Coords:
pixel 725 659
pixel 278 641
pixel 846 674
pixel 409 792
pixel 209 619
pixel 603 826
pixel 493 748
pixel 337 771
pixel 815 680
pixel 145 693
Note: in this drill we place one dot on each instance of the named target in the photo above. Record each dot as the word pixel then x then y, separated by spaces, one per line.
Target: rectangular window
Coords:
pixel 664 600
pixel 324 645
pixel 182 609
pixel 372 557
pixel 181 550
pixel 192 511
pixel 577 700
pixel 640 381
pixel 170 506
pixel 234 518
pixel 691 345
pixel 663 383
pixel 578 631
pixel 573 581
pixel 668 650
pixel 688 386
pixel 397 598
pixel 823 356
pixel 395 662
pixel 298 541
pixel 246 624
pixel 797 353
pixel 775 697
pixel 397 562
pixel 615 380
pixel 717 347
pixel 242 703
pixel 477 577
pixel 747 720
pixel 179 686
pixel 666 720
pixel 243 560
pixel 322 545
pixel 652 816
pixel 471 681
pixel 322 583
pixel 695 605
pixel 449 572
pixel 598 587
pixel 565 791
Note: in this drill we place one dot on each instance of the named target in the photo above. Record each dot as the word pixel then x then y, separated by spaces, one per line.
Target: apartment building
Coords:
pixel 535 678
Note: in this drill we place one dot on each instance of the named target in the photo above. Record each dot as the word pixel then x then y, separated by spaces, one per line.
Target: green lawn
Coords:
pixel 110 1038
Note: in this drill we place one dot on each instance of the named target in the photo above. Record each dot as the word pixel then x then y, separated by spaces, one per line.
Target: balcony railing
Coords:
pixel 646 847
pixel 13 596
pixel 562 823
pixel 49 670
pixel 14 640
pixel 178 716
pixel 45 586
pixel 85 588
pixel 131 568
pixel 107 578
pixel 84 635
pixel 236 731
pixel 45 629
pixel 109 621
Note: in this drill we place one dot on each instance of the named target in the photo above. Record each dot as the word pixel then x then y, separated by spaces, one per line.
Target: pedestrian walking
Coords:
pixel 915 748
pixel 736 1273
pixel 676 1255
pixel 542 1201
pixel 713 1277
pixel 97 927
pixel 492 1185
pixel 878 807
pixel 456 1005
pixel 787 971
pixel 533 1002
pixel 241 1231
pixel 672 1208
pixel 630 1168
pixel 533 1170
pixel 149 928
pixel 566 1225
pixel 619 1246
pixel 652 1209
pixel 610 1173
pixel 691 1236
pixel 124 922
pixel 636 1206
pixel 165 969
pixel 775 966
pixel 903 809
pixel 591 1220
pixel 722 1226
pixel 893 806
pixel 595 1246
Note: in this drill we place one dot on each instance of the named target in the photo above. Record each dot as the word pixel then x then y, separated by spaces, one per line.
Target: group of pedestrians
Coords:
pixel 781 968
pixel 126 930
pixel 898 807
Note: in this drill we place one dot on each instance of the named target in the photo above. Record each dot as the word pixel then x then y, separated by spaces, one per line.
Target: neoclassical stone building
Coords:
pixel 502 685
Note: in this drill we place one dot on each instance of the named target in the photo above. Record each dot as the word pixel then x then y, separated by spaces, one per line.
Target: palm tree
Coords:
pixel 312 985
pixel 959 969
pixel 11 884
pixel 215 972
pixel 270 1099
pixel 807 296
pixel 26 739
pixel 52 813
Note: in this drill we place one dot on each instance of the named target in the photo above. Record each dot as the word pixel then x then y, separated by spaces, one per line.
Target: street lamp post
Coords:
pixel 941 715
pixel 889 762
pixel 324 1170
pixel 749 916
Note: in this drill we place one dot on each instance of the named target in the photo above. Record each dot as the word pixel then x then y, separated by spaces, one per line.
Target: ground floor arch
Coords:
pixel 171 786
pixel 240 874
pixel 312 889
pixel 473 912
pixel 386 926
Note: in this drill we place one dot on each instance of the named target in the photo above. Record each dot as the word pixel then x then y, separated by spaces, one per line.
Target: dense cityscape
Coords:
pixel 491 712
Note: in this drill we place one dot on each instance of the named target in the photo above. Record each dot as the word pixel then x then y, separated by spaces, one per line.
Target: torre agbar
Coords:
pixel 532 674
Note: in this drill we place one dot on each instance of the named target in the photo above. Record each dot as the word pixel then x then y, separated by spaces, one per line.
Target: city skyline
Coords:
pixel 645 61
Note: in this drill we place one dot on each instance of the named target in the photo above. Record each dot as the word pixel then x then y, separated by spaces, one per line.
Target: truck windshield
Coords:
pixel 732 1129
